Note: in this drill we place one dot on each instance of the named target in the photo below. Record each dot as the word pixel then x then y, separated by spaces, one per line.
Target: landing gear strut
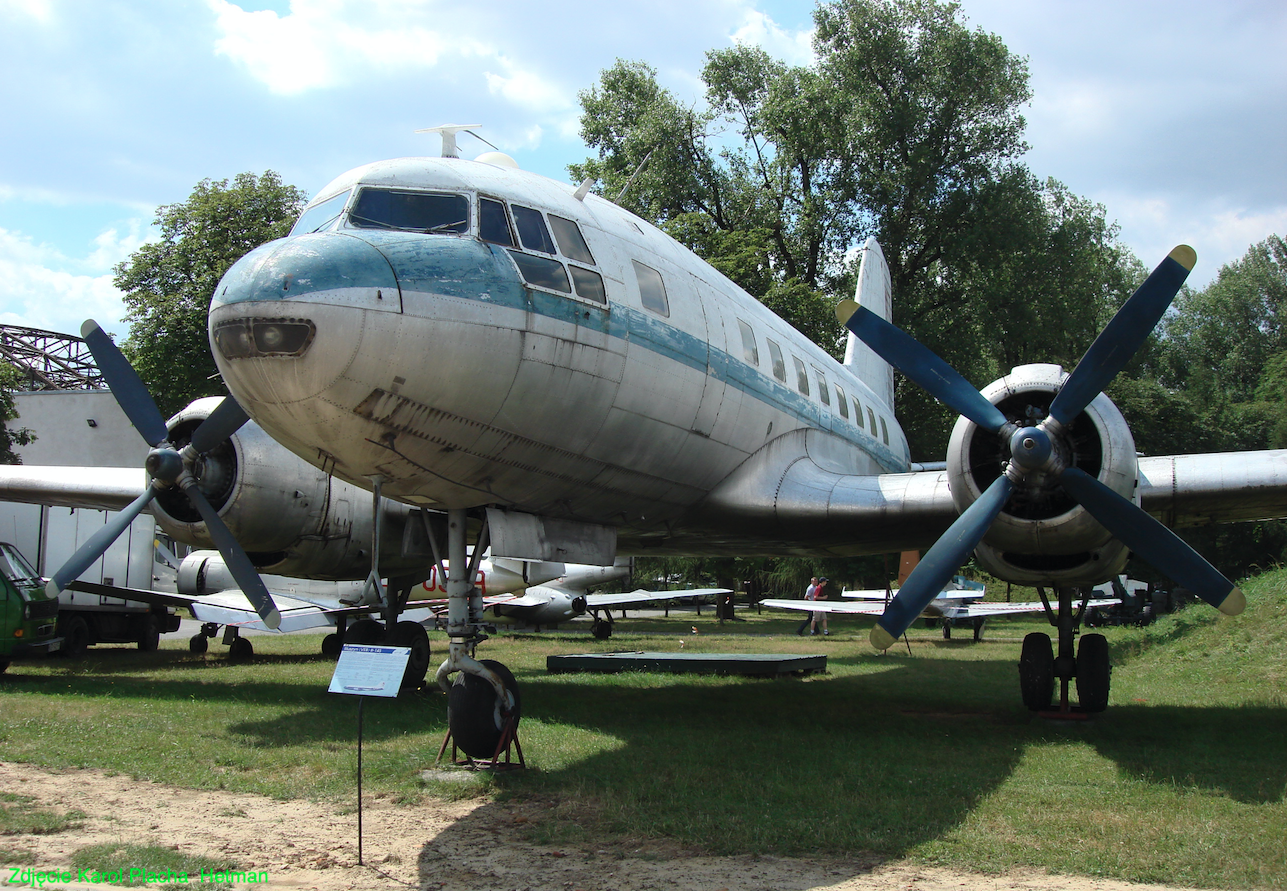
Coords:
pixel 483 704
pixel 1039 666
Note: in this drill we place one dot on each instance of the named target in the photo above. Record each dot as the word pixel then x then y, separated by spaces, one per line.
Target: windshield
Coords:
pixel 410 211
pixel 15 566
pixel 320 216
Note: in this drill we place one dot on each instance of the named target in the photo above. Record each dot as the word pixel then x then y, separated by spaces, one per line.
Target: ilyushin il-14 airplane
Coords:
pixel 503 359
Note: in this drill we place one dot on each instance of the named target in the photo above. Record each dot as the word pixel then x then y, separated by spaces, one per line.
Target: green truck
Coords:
pixel 28 618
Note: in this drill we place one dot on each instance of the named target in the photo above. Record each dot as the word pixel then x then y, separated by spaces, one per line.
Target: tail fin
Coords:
pixel 875 292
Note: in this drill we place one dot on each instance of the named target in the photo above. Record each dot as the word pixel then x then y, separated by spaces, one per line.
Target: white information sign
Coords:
pixel 369 670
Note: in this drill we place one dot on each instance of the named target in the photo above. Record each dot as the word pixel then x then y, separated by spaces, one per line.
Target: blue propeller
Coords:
pixel 1032 449
pixel 167 467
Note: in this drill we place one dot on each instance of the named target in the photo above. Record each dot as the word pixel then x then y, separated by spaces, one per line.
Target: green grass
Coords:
pixel 927 755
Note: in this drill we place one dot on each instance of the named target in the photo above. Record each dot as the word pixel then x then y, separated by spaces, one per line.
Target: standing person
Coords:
pixel 808 595
pixel 819 593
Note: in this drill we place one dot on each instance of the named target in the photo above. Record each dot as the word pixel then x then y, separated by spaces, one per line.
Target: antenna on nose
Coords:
pixel 449 131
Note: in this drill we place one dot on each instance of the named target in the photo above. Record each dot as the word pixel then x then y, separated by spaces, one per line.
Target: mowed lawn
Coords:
pixel 924 754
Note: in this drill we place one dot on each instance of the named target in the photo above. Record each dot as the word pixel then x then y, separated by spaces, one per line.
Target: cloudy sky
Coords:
pixel 1171 113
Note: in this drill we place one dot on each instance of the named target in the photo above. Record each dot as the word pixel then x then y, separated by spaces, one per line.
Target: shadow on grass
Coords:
pixel 1233 751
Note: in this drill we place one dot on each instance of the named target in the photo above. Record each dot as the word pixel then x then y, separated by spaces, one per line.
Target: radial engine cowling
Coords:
pixel 1043 536
pixel 291 518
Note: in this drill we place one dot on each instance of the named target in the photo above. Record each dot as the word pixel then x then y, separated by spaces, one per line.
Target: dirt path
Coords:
pixel 458 846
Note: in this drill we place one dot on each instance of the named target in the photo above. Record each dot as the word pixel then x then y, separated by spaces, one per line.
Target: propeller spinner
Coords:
pixel 167 467
pixel 1041 449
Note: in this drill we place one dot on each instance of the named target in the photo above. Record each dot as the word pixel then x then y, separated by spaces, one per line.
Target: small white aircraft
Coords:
pixel 959 603
pixel 531 593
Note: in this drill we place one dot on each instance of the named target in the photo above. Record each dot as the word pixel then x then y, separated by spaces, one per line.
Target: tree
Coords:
pixel 168 283
pixel 907 128
pixel 10 379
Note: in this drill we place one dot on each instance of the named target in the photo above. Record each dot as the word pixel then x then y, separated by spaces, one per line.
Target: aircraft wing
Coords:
pixel 995 608
pixel 860 608
pixel 100 488
pixel 231 607
pixel 640 597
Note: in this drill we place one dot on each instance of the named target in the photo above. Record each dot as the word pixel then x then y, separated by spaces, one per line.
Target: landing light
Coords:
pixel 251 338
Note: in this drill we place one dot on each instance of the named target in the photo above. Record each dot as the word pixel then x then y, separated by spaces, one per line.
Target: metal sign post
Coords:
pixel 365 671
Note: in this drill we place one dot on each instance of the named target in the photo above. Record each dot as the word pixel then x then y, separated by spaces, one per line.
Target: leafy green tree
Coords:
pixel 168 283
pixel 908 128
pixel 10 380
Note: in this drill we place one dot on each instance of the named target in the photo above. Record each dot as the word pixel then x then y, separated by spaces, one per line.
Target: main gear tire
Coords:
pixel 412 635
pixel 1037 671
pixel 1093 672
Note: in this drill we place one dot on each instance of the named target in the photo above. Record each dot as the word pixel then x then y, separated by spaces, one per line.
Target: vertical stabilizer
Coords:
pixel 874 292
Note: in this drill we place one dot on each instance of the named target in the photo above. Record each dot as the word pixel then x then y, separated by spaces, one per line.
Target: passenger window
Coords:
pixel 588 284
pixel 822 388
pixel 493 223
pixel 542 272
pixel 858 413
pixel 840 402
pixel 884 431
pixel 320 216
pixel 571 244
pixel 750 353
pixel 531 230
pixel 871 415
pixel 652 290
pixel 779 366
pixel 801 376
pixel 410 211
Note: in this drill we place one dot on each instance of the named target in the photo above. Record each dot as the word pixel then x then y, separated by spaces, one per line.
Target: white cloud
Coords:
pixel 320 43
pixel 42 290
pixel 792 47
pixel 40 10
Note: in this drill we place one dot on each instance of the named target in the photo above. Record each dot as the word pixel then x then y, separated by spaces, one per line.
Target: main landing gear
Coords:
pixel 1039 666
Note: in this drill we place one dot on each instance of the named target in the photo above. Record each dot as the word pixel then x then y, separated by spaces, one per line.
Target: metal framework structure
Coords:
pixel 48 360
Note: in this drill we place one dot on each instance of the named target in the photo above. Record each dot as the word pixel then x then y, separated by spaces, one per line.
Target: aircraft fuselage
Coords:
pixel 591 368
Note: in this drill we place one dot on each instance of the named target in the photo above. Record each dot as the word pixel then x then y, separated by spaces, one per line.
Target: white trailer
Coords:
pixel 88 428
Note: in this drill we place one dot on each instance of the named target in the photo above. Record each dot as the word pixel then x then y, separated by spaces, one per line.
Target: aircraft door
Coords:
pixel 713 386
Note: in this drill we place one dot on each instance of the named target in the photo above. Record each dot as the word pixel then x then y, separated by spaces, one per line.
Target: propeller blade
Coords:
pixel 939 564
pixel 920 364
pixel 1149 539
pixel 1124 335
pixel 98 543
pixel 125 384
pixel 234 557
pixel 223 422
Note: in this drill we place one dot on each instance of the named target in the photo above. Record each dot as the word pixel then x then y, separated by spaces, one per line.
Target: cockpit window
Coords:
pixel 542 272
pixel 571 242
pixel 493 223
pixel 410 211
pixel 320 216
pixel 531 229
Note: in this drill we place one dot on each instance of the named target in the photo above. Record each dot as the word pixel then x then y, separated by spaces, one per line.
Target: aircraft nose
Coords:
pixel 297 301
pixel 341 267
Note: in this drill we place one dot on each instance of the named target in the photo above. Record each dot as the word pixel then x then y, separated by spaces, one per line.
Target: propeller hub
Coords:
pixel 1031 448
pixel 164 465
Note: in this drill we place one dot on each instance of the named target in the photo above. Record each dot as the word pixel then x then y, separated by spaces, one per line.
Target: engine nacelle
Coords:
pixel 1043 536
pixel 291 518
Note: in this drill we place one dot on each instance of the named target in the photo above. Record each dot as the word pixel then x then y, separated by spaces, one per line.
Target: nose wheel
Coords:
pixel 481 726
